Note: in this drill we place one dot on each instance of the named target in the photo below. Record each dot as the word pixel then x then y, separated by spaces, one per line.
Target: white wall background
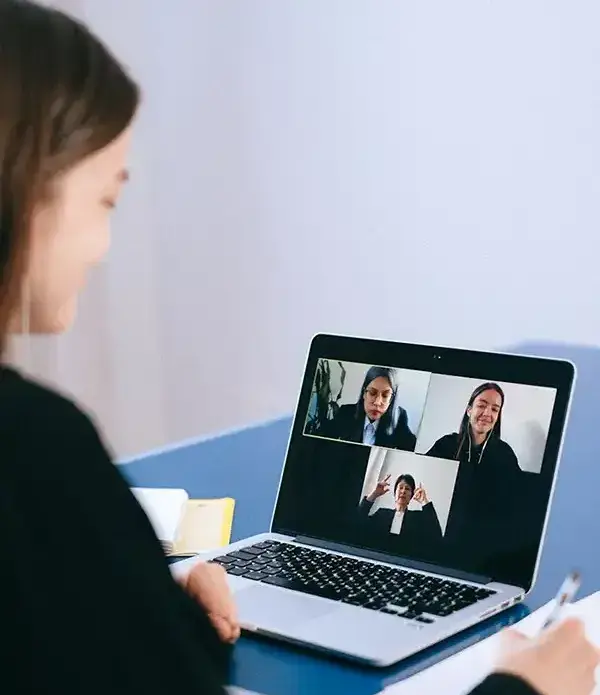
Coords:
pixel 526 416
pixel 423 170
pixel 437 476
pixel 412 388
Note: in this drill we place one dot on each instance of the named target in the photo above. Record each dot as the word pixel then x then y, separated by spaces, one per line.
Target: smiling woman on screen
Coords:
pixel 478 440
pixel 99 613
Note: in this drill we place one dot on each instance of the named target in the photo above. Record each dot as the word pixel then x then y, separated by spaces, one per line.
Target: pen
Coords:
pixel 563 598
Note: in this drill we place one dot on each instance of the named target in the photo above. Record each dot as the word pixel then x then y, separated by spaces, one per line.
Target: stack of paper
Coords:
pixel 184 525
pixel 165 508
pixel 460 673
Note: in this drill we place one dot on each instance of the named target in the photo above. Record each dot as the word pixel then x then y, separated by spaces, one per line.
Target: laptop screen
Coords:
pixel 439 456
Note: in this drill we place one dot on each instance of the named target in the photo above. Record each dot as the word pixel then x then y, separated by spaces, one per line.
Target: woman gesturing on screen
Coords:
pixel 416 530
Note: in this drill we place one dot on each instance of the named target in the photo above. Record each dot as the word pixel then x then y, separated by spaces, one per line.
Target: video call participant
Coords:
pixel 416 530
pixel 479 432
pixel 376 419
pixel 495 504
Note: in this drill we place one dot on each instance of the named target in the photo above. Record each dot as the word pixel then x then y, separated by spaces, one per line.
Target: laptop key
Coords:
pixel 483 593
pixel 352 601
pixel 269 570
pixel 236 571
pixel 241 555
pixel 256 576
pixel 253 551
pixel 410 615
pixel 280 581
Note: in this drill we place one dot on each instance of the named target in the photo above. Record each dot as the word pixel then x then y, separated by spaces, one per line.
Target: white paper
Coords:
pixel 460 673
pixel 165 508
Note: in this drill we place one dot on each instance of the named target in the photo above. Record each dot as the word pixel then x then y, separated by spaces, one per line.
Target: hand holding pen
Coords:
pixel 563 599
pixel 557 661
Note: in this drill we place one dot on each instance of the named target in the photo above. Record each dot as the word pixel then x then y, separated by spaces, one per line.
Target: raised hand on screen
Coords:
pixel 381 488
pixel 420 495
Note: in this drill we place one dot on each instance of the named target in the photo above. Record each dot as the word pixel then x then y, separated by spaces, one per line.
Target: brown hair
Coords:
pixel 464 430
pixel 63 97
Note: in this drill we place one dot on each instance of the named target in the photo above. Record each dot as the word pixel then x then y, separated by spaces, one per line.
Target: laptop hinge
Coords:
pixel 394 560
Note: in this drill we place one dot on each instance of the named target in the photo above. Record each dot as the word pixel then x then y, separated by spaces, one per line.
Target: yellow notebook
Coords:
pixel 206 525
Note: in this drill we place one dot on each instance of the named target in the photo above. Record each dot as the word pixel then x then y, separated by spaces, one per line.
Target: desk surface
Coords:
pixel 247 466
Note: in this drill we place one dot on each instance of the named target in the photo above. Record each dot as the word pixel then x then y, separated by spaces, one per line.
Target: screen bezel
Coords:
pixel 529 370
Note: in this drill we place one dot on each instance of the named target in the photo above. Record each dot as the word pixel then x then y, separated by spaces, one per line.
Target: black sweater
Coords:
pixel 87 602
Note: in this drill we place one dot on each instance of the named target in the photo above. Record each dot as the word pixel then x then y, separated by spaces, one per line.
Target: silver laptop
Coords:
pixel 413 500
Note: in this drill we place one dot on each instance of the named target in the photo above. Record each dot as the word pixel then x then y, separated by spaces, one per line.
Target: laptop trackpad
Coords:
pixel 275 609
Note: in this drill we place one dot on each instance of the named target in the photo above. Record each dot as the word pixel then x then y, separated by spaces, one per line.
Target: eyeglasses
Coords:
pixel 374 394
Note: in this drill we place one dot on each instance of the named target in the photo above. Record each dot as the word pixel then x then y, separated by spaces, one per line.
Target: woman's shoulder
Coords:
pixel 23 397
pixel 448 439
pixel 346 412
pixel 445 446
pixel 504 448
pixel 31 409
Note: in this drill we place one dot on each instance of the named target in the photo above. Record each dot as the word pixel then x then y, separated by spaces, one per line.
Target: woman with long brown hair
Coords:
pixel 479 437
pixel 488 477
pixel 87 602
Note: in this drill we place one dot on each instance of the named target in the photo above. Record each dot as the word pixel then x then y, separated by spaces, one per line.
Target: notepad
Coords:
pixel 461 672
pixel 186 525
pixel 206 525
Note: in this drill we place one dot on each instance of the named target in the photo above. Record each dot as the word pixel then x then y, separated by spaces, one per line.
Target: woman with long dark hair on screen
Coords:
pixel 376 419
pixel 87 602
pixel 479 437
pixel 494 501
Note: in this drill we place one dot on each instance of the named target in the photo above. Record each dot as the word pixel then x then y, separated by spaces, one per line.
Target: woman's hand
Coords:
pixel 207 584
pixel 561 661
pixel 420 495
pixel 381 488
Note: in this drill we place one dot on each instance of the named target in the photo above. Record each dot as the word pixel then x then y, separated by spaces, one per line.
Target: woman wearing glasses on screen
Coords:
pixel 376 419
pixel 101 613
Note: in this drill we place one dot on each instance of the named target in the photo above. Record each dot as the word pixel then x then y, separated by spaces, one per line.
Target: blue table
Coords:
pixel 247 465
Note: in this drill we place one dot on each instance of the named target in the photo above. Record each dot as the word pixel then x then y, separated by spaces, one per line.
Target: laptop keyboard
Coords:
pixel 349 580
